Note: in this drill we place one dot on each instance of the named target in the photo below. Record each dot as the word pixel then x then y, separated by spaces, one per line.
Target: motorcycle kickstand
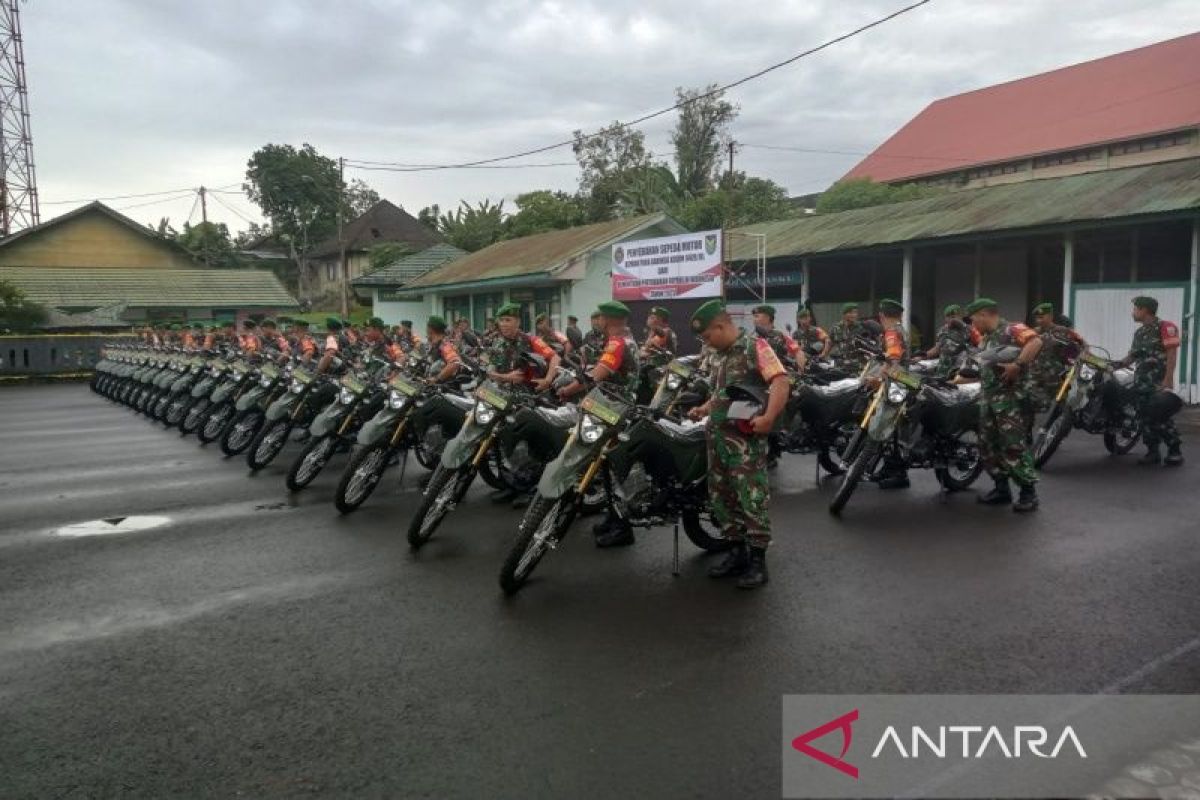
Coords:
pixel 403 466
pixel 675 562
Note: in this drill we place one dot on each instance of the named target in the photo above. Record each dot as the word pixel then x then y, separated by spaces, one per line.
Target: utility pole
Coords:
pixel 203 205
pixel 342 270
pixel 18 182
pixel 731 146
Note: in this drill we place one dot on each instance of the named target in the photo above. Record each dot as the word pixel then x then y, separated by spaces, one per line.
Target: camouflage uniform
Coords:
pixel 1004 412
pixel 843 349
pixel 593 345
pixel 811 339
pixel 1060 346
pixel 952 339
pixel 737 462
pixel 666 342
pixel 621 356
pixel 784 346
pixel 1149 356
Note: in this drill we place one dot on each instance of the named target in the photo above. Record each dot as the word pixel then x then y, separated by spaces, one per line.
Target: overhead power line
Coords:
pixel 703 96
pixel 184 196
pixel 130 196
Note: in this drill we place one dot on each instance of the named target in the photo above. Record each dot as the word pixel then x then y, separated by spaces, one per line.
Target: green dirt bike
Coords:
pixel 273 382
pixel 660 466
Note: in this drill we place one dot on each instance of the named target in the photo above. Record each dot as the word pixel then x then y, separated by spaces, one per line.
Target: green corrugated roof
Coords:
pixel 138 288
pixel 407 268
pixel 1164 188
pixel 532 255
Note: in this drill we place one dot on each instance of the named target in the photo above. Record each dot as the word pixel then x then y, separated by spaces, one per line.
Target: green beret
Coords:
pixel 376 322
pixel 613 308
pixel 804 313
pixel 661 312
pixel 596 314
pixel 333 323
pixel 508 310
pixel 847 307
pixel 407 323
pixel 706 313
pixel 1043 308
pixel 225 322
pixel 437 324
pixel 981 304
pixel 953 308
pixel 1146 302
pixel 284 319
pixel 346 323
pixel 300 323
pixel 249 324
pixel 267 323
pixel 198 325
pixel 888 304
pixel 174 326
pixel 542 317
pixel 764 309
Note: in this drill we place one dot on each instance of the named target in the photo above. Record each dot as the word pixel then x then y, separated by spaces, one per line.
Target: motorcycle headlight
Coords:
pixel 590 430
pixel 346 397
pixel 896 393
pixel 265 381
pixel 395 400
pixel 484 413
pixel 297 387
pixel 214 372
pixel 1086 373
pixel 674 382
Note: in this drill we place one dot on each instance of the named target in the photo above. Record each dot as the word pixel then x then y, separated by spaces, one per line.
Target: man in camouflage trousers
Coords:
pixel 843 346
pixel 1060 347
pixel 1004 406
pixel 1153 355
pixel 737 449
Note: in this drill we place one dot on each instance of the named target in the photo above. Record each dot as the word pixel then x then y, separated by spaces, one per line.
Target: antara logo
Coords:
pixel 946 741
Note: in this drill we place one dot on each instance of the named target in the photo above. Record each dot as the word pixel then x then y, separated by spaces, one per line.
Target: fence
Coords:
pixel 50 354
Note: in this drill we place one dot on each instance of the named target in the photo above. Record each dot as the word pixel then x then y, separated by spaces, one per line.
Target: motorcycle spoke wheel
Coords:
pixel 543 527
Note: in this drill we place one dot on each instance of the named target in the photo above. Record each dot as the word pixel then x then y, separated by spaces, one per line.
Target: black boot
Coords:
pixel 616 532
pixel 1000 495
pixel 756 570
pixel 1028 500
pixel 1152 458
pixel 1174 456
pixel 734 564
pixel 502 495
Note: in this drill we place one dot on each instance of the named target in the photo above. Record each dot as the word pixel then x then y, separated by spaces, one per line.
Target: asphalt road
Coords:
pixel 262 645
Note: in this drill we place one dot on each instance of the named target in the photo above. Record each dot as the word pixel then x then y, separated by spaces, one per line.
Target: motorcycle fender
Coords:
pixel 250 398
pixel 328 420
pixel 561 473
pixel 222 392
pixel 203 388
pixel 462 447
pixel 181 385
pixel 281 407
pixel 883 422
pixel 1078 396
pixel 378 427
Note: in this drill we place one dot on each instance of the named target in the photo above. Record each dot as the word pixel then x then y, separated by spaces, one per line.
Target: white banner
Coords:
pixel 669 267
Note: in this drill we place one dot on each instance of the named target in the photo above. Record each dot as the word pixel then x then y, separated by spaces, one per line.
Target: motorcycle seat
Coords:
pixel 838 388
pixel 561 417
pixel 689 433
pixel 953 395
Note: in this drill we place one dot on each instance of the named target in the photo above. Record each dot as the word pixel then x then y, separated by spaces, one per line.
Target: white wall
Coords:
pixel 391 311
pixel 1103 316
pixel 583 296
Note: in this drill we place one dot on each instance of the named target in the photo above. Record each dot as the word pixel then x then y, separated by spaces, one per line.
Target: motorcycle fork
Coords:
pixel 870 412
pixel 484 447
pixel 399 431
pixel 1066 385
pixel 590 473
pixel 345 423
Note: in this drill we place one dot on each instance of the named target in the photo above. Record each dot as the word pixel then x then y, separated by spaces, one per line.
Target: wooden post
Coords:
pixel 1068 272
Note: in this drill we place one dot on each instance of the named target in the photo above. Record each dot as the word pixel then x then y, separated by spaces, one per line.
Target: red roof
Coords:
pixel 1154 89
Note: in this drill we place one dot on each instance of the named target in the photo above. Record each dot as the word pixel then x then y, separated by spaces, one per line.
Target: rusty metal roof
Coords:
pixel 542 253
pixel 1157 189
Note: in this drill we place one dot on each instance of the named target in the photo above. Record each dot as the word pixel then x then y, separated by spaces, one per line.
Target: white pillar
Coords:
pixel 1068 272
pixel 906 290
pixel 1193 342
pixel 805 279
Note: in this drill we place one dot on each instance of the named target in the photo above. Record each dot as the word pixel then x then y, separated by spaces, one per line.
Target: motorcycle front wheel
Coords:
pixel 192 415
pixel 1051 435
pixel 361 476
pixel 268 443
pixel 544 525
pixel 446 488
pixel 862 464
pixel 241 432
pixel 310 462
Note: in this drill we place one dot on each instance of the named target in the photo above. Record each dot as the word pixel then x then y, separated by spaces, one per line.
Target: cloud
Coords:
pixel 130 96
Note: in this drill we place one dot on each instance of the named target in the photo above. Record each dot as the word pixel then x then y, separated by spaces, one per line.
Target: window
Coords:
pixel 1072 157
pixel 457 306
pixel 485 309
pixel 994 170
pixel 331 270
pixel 1152 143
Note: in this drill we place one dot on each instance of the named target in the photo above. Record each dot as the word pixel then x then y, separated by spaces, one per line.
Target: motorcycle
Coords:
pixel 681 388
pixel 235 381
pixel 1096 395
pixel 272 382
pixel 917 425
pixel 360 397
pixel 295 408
pixel 180 396
pixel 200 394
pixel 610 439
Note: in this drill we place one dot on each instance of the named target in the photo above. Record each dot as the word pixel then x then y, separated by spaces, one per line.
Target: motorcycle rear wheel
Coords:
pixel 699 535
pixel 966 468
pixel 544 525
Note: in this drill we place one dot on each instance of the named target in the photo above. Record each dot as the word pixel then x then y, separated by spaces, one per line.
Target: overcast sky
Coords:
pixel 133 96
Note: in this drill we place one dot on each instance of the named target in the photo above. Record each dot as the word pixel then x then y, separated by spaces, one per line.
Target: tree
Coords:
pixel 741 201
pixel 359 198
pixel 473 227
pixel 17 313
pixel 606 161
pixel 430 216
pixel 650 190
pixel 386 253
pixel 545 210
pixel 864 192
pixel 700 135
pixel 208 242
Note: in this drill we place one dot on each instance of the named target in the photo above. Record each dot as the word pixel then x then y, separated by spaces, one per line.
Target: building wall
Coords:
pixel 93 240
pixel 392 311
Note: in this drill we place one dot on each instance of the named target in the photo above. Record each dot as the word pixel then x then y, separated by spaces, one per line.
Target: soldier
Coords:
pixel 813 341
pixel 785 347
pixel 558 342
pixel 249 339
pixel 504 365
pixel 618 366
pixel 334 344
pixel 441 350
pixel 405 337
pixel 843 347
pixel 953 339
pixel 1153 355
pixel 305 345
pixel 661 343
pixel 737 451
pixel 464 337
pixel 1060 346
pixel 574 335
pixel 594 340
pixel 894 348
pixel 378 344
pixel 1003 407
pixel 272 338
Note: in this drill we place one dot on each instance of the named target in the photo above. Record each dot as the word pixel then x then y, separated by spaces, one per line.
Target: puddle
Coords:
pixel 111 525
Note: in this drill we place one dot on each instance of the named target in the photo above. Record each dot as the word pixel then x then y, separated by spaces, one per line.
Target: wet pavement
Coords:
pixel 261 644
